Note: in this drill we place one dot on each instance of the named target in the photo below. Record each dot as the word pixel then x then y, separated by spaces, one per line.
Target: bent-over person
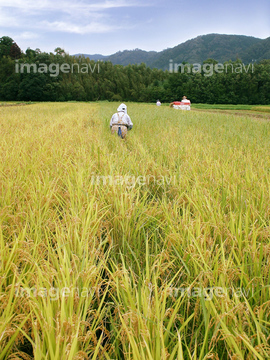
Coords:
pixel 120 122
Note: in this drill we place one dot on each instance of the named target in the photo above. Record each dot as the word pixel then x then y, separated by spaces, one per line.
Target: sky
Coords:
pixel 107 26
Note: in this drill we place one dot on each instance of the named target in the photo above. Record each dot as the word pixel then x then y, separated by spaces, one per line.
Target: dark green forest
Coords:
pixel 40 76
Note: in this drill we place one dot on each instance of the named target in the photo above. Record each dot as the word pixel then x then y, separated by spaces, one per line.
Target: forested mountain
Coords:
pixel 125 57
pixel 259 51
pixel 138 56
pixel 94 57
pixel 215 46
pixel 218 47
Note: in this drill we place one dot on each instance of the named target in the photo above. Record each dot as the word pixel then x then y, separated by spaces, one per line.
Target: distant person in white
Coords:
pixel 187 103
pixel 158 103
pixel 120 122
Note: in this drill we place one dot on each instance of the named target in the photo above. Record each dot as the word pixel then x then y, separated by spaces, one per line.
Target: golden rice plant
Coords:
pixel 153 247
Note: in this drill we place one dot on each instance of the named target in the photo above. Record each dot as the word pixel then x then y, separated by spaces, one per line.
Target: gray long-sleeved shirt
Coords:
pixel 125 119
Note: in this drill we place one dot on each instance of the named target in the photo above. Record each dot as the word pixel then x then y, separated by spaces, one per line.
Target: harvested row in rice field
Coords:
pixel 154 247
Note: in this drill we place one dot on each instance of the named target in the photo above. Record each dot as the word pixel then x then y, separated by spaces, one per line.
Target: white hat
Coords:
pixel 122 107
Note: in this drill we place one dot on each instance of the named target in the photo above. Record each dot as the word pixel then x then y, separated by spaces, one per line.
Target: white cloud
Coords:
pixel 6 20
pixel 78 17
pixel 65 6
pixel 26 35
pixel 92 28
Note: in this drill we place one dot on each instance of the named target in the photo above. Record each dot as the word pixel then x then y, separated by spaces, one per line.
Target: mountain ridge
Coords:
pixel 220 47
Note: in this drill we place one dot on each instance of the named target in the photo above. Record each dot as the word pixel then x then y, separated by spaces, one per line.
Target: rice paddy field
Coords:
pixel 156 247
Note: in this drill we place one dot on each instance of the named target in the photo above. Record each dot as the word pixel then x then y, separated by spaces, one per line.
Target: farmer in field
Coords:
pixel 186 102
pixel 120 122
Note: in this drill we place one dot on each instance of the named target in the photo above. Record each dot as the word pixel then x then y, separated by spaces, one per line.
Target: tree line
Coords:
pixel 40 76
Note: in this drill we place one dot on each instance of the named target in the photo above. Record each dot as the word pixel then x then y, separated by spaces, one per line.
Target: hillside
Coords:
pixel 219 47
pixel 133 57
pixel 94 57
pixel 126 57
pixel 259 51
